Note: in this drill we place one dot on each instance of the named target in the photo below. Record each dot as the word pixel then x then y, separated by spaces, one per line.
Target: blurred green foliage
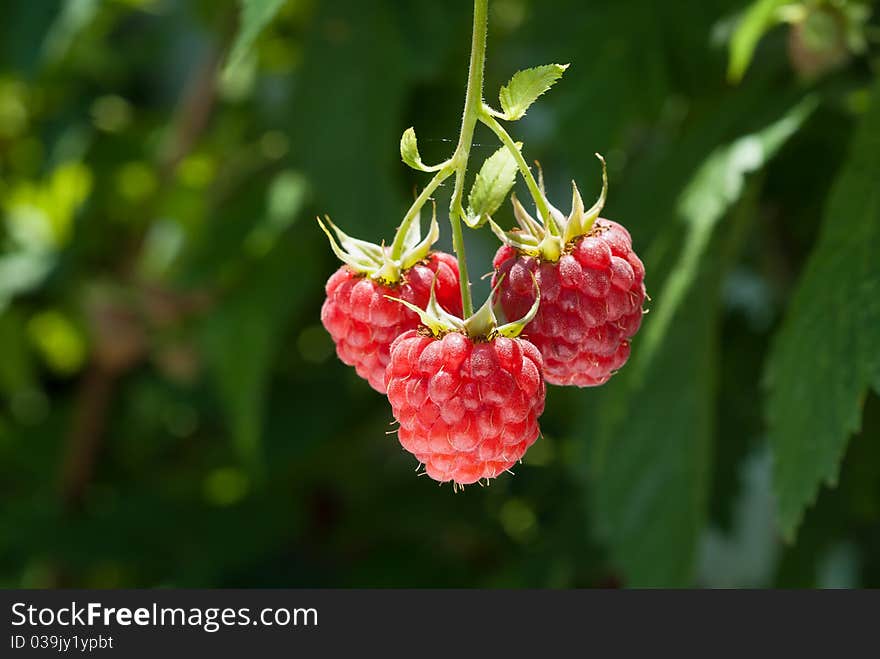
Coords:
pixel 173 413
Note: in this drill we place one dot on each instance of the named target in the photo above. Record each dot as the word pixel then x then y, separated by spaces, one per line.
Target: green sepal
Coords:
pixel 520 240
pixel 514 328
pixel 434 317
pixel 378 261
pixel 357 259
pixel 526 221
pixel 580 221
pixel 534 239
pixel 420 250
pixel 482 325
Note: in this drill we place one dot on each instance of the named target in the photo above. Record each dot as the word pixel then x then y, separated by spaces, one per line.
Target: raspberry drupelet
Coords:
pixel 468 410
pixel 591 284
pixel 357 313
pixel 363 322
pixel 591 304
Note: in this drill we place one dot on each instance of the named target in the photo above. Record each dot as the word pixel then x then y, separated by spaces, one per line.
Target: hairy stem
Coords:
pixel 534 189
pixel 473 104
pixel 413 212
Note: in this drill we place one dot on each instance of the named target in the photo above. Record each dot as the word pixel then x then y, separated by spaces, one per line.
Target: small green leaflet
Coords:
pixel 827 354
pixel 526 86
pixel 409 152
pixel 756 20
pixel 494 181
pixel 255 15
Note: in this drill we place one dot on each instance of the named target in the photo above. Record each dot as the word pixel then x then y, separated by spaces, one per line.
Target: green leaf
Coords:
pixel 827 353
pixel 756 21
pixel 16 360
pixel 652 455
pixel 255 15
pixel 73 18
pixel 367 71
pixel 494 180
pixel 409 152
pixel 254 316
pixel 526 86
pixel 715 187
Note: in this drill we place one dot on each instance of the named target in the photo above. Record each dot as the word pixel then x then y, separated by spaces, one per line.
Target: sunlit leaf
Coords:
pixel 827 354
pixel 526 86
pixel 255 15
pixel 713 189
pixel 74 16
pixel 59 341
pixel 40 214
pixel 22 272
pixel 755 22
pixel 494 180
pixel 652 456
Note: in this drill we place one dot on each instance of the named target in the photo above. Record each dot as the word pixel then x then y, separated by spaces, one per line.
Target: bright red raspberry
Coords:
pixel 467 410
pixel 363 322
pixel 591 303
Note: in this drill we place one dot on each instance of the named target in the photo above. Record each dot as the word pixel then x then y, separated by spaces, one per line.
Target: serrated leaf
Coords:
pixel 827 354
pixel 755 22
pixel 652 455
pixel 255 16
pixel 526 86
pixel 494 180
pixel 715 187
pixel 409 152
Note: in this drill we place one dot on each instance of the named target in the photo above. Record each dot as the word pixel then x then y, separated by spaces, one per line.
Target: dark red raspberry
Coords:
pixel 591 303
pixel 467 410
pixel 363 322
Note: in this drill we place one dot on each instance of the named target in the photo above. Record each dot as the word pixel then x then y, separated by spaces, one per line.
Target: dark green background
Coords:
pixel 231 448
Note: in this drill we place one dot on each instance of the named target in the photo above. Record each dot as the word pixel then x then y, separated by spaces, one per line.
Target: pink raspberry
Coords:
pixel 591 303
pixel 467 410
pixel 363 322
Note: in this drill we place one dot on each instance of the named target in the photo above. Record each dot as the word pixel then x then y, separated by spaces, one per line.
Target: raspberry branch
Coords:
pixel 472 105
pixel 399 243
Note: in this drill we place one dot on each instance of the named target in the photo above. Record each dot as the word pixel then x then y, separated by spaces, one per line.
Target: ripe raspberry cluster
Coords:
pixel 466 390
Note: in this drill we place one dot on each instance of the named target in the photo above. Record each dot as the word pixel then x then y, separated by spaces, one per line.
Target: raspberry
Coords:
pixel 591 303
pixel 363 322
pixel 467 410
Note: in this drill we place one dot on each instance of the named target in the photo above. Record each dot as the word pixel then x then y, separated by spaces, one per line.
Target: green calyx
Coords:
pixel 379 261
pixel 535 239
pixel 481 326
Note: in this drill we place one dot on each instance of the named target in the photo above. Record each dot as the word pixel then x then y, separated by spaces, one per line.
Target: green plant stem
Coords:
pixel 473 103
pixel 413 212
pixel 534 189
pixel 458 163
